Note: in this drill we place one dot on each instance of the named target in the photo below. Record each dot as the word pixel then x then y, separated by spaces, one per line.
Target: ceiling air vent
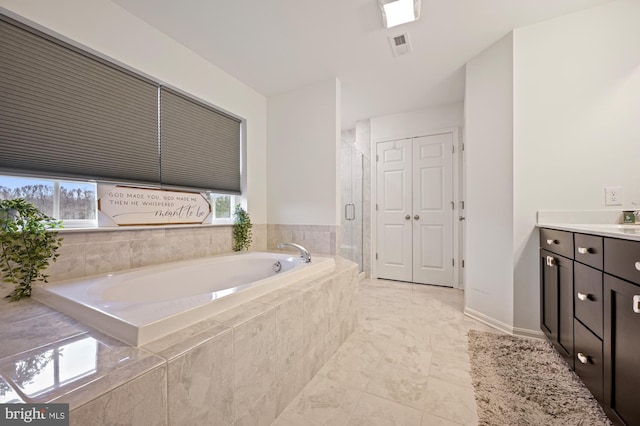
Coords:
pixel 400 44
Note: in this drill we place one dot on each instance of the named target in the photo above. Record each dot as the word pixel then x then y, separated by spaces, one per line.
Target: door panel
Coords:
pixel 431 254
pixel 394 205
pixel 432 211
pixel 394 190
pixel 431 185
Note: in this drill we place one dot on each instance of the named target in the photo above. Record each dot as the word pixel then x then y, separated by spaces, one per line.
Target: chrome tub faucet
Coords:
pixel 304 253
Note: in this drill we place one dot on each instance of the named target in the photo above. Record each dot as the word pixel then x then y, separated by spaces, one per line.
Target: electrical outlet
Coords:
pixel 612 196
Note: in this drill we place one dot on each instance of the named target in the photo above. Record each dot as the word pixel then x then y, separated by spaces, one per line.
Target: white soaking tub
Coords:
pixel 140 305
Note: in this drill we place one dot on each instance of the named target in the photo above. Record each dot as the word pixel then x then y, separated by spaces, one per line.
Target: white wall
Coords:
pixel 576 125
pixel 115 33
pixel 416 123
pixel 489 183
pixel 304 138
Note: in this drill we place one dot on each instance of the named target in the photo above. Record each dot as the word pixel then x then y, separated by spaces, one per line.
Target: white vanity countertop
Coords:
pixel 625 231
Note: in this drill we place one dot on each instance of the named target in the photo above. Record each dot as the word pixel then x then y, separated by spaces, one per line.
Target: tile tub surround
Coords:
pixel 321 239
pixel 90 252
pixel 243 366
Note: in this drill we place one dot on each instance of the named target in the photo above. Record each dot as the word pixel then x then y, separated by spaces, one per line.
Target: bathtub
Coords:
pixel 140 305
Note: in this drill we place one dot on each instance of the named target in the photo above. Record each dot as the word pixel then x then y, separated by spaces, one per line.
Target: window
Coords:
pixel 75 202
pixel 222 208
pixel 72 202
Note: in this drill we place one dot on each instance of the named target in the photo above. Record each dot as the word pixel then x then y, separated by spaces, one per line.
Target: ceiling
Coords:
pixel 275 46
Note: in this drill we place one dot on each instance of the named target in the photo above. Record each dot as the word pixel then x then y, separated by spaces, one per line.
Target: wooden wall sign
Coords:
pixel 125 205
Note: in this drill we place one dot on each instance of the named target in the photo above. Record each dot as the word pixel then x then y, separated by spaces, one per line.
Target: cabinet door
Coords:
pixel 556 295
pixel 621 350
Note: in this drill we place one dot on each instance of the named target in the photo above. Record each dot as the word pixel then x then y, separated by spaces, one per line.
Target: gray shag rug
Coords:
pixel 521 381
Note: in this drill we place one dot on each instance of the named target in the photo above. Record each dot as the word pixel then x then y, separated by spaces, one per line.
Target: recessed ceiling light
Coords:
pixel 397 12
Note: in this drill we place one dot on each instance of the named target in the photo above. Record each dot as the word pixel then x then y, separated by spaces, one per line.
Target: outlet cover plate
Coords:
pixel 612 196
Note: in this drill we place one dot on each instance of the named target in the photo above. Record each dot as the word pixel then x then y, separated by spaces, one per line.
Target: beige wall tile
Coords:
pixel 200 384
pixel 143 401
pixel 254 359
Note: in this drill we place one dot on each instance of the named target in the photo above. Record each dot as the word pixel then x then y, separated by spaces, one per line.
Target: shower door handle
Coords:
pixel 350 211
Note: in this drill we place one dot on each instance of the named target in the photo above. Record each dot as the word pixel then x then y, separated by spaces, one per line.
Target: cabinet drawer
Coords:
pixel 588 297
pixel 589 360
pixel 588 250
pixel 559 242
pixel 622 259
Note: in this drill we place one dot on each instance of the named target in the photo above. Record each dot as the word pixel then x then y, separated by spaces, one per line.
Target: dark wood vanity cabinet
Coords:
pixel 622 350
pixel 556 290
pixel 604 309
pixel 556 295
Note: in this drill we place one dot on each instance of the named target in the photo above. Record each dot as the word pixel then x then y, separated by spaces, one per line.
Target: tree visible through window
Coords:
pixel 63 200
pixel 222 206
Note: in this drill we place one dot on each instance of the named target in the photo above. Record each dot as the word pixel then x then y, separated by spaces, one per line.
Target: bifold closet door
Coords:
pixel 414 209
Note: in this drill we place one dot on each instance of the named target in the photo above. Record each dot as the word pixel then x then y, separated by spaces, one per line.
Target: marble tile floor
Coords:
pixel 406 364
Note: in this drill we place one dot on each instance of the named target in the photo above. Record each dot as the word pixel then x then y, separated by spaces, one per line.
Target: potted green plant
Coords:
pixel 242 225
pixel 26 245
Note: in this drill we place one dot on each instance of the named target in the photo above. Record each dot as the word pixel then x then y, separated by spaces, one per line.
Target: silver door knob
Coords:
pixel 416 217
pixel 551 242
pixel 583 296
pixel 584 250
pixel 407 217
pixel 461 218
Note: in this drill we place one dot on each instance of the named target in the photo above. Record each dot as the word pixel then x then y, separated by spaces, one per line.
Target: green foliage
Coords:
pixel 223 206
pixel 242 225
pixel 26 245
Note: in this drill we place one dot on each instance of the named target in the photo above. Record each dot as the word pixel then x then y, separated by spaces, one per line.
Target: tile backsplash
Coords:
pixel 91 252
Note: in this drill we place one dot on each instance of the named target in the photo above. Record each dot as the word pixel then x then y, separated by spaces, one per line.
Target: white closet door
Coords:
pixel 432 209
pixel 415 215
pixel 394 222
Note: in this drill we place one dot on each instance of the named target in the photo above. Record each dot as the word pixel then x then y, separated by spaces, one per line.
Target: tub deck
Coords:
pixel 141 305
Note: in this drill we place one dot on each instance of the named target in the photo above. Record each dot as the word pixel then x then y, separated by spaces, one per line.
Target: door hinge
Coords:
pixel 463 263
pixel 376 206
pixel 376 256
pixel 463 147
pixel 377 158
pixel 453 205
pixel 462 205
pixel 453 149
pixel 453 262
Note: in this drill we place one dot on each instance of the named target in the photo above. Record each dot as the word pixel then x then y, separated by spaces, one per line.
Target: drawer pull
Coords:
pixel 551 261
pixel 552 242
pixel 583 296
pixel 584 250
pixel 637 266
pixel 583 358
pixel 636 303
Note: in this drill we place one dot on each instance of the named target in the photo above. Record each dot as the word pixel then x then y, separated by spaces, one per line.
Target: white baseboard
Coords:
pixel 504 327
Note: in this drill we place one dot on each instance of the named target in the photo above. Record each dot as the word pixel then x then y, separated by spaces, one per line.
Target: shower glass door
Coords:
pixel 351 179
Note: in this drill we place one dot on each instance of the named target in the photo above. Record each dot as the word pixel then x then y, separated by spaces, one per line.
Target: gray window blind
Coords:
pixel 67 113
pixel 200 147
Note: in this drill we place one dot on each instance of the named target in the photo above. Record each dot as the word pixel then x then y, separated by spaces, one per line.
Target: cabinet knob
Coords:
pixel 416 217
pixel 583 358
pixel 636 303
pixel 583 296
pixel 551 261
pixel 584 250
pixel 407 217
pixel 552 242
pixel 637 266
